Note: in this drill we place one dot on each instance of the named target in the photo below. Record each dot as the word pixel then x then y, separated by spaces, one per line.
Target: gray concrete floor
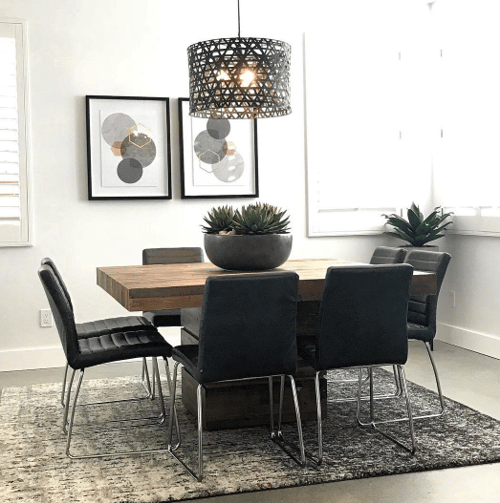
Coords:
pixel 467 377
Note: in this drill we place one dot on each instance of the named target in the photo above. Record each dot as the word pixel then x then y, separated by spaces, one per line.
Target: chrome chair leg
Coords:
pixel 318 460
pixel 144 378
pixel 271 403
pixel 172 399
pixel 197 476
pixel 440 394
pixel 319 418
pixel 133 399
pixel 396 394
pixel 282 396
pixel 299 421
pixel 73 410
pixel 438 386
pixel 397 382
pixel 157 419
pixel 66 407
pixel 200 432
pixel 64 384
pixel 409 409
pixel 374 424
pixel 277 434
pixel 153 386
pixel 429 349
pixel 120 453
pixel 156 372
pixel 146 382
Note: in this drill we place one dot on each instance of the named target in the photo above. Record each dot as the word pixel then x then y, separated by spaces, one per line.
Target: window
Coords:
pixel 365 116
pixel 465 151
pixel 14 203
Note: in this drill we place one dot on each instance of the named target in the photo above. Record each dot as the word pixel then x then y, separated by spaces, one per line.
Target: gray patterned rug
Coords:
pixel 35 469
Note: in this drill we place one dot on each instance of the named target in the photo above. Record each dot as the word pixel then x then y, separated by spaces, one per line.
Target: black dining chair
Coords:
pixel 422 317
pixel 388 255
pixel 362 324
pixel 167 317
pixel 422 310
pixel 101 327
pixel 381 255
pixel 247 330
pixel 98 348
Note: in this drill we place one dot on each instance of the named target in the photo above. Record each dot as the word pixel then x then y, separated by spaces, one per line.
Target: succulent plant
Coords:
pixel 259 218
pixel 418 230
pixel 218 220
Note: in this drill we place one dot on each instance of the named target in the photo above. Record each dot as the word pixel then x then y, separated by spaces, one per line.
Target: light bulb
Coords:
pixel 247 78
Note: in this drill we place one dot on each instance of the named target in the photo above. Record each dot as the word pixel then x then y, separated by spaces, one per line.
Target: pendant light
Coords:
pixel 239 78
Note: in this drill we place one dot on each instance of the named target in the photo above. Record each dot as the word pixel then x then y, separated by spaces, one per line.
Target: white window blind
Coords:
pixel 364 113
pixel 466 153
pixel 14 218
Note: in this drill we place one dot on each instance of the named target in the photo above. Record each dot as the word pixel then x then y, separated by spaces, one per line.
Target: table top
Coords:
pixel 171 286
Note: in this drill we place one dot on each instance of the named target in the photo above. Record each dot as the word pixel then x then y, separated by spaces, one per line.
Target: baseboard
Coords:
pixel 50 357
pixel 32 358
pixel 53 356
pixel 485 344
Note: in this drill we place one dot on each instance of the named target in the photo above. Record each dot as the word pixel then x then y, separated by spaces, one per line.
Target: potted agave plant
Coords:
pixel 418 230
pixel 254 238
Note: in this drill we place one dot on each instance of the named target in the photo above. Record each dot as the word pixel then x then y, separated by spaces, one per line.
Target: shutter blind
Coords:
pixel 13 165
pixel 10 203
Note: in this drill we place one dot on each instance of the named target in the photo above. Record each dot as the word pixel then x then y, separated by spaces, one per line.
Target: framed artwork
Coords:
pixel 218 156
pixel 128 147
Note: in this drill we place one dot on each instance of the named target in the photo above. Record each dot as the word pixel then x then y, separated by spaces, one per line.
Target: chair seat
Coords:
pixel 112 325
pixel 164 318
pixel 120 346
pixel 188 356
pixel 419 332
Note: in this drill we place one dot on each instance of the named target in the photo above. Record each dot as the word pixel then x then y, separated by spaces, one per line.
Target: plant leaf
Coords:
pixel 414 219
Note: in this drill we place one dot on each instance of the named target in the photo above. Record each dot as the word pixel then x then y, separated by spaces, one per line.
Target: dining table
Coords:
pixel 181 286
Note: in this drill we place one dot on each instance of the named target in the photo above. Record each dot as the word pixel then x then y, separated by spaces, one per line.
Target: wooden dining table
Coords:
pixel 172 286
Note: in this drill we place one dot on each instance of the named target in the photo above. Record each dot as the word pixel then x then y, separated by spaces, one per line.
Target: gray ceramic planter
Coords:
pixel 248 252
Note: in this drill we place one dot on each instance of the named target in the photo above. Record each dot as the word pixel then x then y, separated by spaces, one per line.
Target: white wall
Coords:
pixel 132 48
pixel 474 321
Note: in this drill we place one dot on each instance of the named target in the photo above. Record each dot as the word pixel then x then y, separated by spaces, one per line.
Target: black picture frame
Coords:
pixel 128 147
pixel 235 176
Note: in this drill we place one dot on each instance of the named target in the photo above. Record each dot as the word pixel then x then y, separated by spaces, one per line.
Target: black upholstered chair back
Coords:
pixel 171 255
pixel 248 326
pixel 48 261
pixel 388 255
pixel 61 310
pixel 362 319
pixel 422 310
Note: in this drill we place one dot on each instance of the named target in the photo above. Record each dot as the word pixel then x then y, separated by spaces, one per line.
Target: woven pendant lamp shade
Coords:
pixel 239 78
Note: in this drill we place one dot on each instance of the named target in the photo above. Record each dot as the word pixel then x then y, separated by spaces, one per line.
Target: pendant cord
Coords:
pixel 239 36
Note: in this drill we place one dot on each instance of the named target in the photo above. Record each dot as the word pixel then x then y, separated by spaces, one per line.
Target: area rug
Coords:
pixel 34 467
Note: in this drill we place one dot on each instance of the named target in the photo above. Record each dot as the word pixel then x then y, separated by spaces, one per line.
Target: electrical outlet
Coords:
pixel 46 318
